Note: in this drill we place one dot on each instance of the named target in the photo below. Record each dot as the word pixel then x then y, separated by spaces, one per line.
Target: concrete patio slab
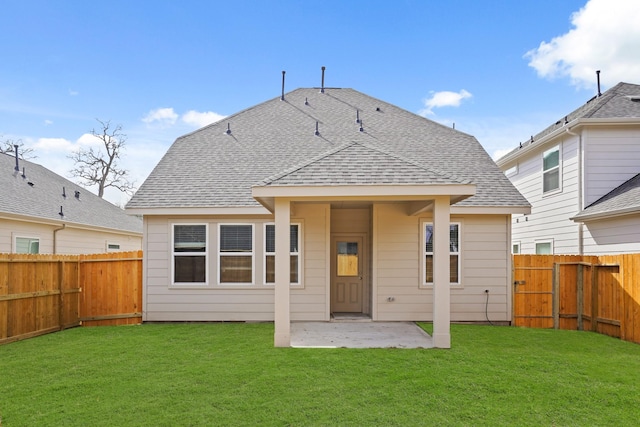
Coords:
pixel 359 335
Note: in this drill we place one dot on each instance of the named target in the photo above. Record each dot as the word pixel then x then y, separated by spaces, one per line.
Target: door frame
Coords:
pixel 364 259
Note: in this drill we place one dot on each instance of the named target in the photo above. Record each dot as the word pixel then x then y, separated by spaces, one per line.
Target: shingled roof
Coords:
pixel 351 138
pixel 624 199
pixel 36 192
pixel 622 101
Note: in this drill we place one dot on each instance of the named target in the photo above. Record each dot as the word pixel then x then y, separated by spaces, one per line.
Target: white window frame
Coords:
pixel 557 148
pixel 298 254
pixel 513 170
pixel 32 240
pixel 252 254
pixel 541 242
pixel 204 254
pixel 424 253
pixel 110 249
pixel 516 244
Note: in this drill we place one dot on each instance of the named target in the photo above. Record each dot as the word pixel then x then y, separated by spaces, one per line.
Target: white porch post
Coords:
pixel 441 274
pixel 282 335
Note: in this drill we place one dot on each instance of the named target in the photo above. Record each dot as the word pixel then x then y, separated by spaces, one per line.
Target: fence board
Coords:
pixel 45 293
pixel 599 293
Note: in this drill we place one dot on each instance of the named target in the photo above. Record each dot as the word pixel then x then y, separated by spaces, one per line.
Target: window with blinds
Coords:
pixel 189 253
pixel 270 249
pixel 236 253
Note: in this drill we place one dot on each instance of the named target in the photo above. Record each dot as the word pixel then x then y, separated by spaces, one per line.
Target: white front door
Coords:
pixel 347 263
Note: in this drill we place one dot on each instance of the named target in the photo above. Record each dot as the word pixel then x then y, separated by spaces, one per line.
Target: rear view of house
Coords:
pixel 582 178
pixel 324 201
pixel 42 212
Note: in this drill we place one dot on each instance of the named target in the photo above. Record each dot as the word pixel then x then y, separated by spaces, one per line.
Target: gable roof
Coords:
pixel 217 166
pixel 622 101
pixel 622 200
pixel 38 195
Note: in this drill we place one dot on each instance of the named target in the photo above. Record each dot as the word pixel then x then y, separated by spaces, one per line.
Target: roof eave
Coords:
pixel 605 215
pixel 508 159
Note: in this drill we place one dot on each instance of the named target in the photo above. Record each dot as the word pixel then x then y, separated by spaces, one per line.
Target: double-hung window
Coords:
pixel 454 252
pixel 270 253
pixel 236 253
pixel 551 169
pixel 190 253
pixel 27 245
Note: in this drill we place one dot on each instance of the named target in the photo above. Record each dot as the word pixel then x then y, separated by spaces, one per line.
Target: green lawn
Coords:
pixel 230 374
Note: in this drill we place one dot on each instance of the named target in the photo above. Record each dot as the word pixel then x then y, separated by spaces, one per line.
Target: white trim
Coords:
pixel 558 167
pixel 543 241
pixel 299 283
pixel 205 254
pixel 32 238
pixel 245 254
pixel 232 210
pixel 519 245
pixel 423 253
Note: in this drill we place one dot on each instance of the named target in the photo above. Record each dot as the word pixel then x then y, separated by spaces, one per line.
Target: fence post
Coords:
pixel 580 295
pixel 61 289
pixel 556 296
pixel 594 298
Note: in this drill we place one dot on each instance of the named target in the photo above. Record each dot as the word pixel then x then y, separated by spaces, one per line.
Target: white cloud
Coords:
pixel 48 122
pixel 605 36
pixel 53 144
pixel 73 92
pixel 162 116
pixel 201 119
pixel 443 99
pixel 88 140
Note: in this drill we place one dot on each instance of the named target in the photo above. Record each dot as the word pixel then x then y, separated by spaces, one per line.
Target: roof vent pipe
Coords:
pixel 23 173
pixel 228 131
pixel 361 125
pixel 306 102
pixel 357 116
pixel 17 168
pixel 77 194
pixel 282 96
pixel 322 85
pixel 61 213
pixel 598 76
pixel 64 193
pixel 317 132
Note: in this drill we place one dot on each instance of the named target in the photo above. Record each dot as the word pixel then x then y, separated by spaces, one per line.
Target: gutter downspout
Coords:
pixel 580 189
pixel 55 232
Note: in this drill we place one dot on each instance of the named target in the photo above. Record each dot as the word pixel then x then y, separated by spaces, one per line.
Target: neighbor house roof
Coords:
pixel 621 103
pixel 36 193
pixel 354 138
pixel 622 200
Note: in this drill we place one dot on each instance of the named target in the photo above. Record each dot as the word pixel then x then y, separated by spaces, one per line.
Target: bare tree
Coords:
pixel 100 166
pixel 8 147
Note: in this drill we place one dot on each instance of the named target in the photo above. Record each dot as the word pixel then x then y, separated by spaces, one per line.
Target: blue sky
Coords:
pixel 500 70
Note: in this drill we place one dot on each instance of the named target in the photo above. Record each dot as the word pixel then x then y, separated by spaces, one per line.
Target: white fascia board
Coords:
pixel 200 211
pixel 605 215
pixel 491 210
pixel 67 224
pixel 354 192
pixel 507 161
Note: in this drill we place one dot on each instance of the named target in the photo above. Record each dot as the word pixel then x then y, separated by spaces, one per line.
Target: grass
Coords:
pixel 230 374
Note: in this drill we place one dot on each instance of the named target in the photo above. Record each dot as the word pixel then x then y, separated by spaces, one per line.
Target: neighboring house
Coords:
pixel 41 212
pixel 581 177
pixel 326 201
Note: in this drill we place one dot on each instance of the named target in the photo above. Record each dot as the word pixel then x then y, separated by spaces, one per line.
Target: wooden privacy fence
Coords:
pixel 46 293
pixel 596 293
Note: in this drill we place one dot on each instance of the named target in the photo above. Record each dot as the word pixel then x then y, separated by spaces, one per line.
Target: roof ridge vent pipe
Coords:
pixel 77 194
pixel 322 82
pixel 598 77
pixel 317 132
pixel 306 101
pixel 228 131
pixel 282 96
pixel 64 193
pixel 17 168
pixel 357 116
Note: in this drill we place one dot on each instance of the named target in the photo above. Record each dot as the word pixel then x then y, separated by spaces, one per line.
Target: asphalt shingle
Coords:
pixel 213 168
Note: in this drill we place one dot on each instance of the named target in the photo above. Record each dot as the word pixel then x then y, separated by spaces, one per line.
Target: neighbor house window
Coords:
pixel 27 245
pixel 551 169
pixel 544 248
pixel 190 253
pixel 270 253
pixel 113 247
pixel 516 248
pixel 454 253
pixel 236 253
